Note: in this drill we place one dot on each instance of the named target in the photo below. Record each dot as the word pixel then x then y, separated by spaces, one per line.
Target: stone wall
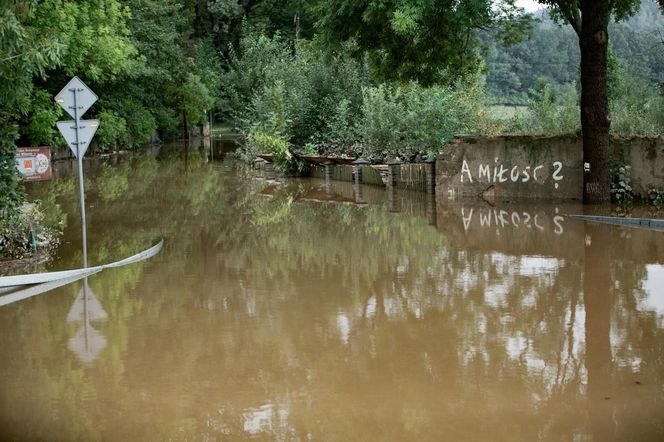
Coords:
pixel 516 167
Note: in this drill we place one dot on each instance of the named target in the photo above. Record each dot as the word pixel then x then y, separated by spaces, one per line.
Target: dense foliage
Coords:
pixel 380 79
pixel 151 71
pixel 552 52
pixel 429 41
pixel 311 99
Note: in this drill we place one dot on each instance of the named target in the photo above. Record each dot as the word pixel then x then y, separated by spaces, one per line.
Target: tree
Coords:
pixel 24 53
pixel 431 41
pixel 590 21
pixel 552 52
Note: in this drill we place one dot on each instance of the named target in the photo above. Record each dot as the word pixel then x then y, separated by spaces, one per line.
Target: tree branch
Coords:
pixel 573 16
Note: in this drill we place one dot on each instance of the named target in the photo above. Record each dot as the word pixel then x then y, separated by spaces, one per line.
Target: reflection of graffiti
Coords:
pixel 500 173
pixel 503 218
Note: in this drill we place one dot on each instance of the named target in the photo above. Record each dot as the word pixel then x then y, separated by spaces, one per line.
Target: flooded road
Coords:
pixel 292 310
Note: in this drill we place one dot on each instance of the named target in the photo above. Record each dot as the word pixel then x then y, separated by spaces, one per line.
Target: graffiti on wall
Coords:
pixel 500 173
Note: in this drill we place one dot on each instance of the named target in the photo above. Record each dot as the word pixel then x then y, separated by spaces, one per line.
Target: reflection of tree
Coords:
pixel 636 337
pixel 269 311
pixel 597 293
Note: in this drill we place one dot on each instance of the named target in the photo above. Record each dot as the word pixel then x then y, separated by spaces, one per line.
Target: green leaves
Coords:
pixel 112 132
pixel 97 43
pixel 430 41
pixel 405 20
pixel 413 122
pixel 25 53
pixel 42 117
pixel 325 100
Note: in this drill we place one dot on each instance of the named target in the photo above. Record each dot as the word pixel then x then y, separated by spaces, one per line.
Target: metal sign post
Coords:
pixel 76 98
pixel 81 189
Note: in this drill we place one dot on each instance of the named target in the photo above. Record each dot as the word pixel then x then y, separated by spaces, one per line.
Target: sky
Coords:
pixel 529 5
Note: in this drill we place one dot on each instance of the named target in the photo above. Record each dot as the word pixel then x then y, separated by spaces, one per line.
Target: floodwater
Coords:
pixel 296 310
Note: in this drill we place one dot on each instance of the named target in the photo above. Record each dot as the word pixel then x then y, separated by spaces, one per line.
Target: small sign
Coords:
pixel 34 163
pixel 86 131
pixel 85 98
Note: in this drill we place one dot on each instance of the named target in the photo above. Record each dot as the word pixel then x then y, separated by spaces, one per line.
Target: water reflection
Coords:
pixel 598 296
pixel 281 309
pixel 653 301
pixel 87 343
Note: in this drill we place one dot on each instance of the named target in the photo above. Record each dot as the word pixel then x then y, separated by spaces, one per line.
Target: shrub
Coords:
pixel 141 124
pixel 268 110
pixel 381 128
pixel 256 62
pixel 302 94
pixel 112 132
pixel 621 185
pixel 414 122
pixel 260 142
pixel 549 112
pixel 341 134
pixel 306 96
pixel 44 113
pixel 637 109
pixel 656 197
pixel 23 232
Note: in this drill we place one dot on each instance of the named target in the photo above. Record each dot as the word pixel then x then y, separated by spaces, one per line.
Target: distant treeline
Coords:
pixel 552 53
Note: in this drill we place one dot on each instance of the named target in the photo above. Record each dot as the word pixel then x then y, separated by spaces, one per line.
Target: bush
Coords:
pixel 637 109
pixel 301 94
pixel 381 129
pixel 44 113
pixel 112 132
pixel 656 197
pixel 11 189
pixel 141 124
pixel 268 111
pixel 621 185
pixel 24 232
pixel 309 97
pixel 257 61
pixel 341 134
pixel 413 122
pixel 284 162
pixel 550 112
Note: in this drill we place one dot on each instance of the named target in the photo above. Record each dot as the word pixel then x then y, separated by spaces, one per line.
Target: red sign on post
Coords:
pixel 34 163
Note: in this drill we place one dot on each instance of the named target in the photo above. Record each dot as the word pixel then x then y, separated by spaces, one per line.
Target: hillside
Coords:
pixel 552 52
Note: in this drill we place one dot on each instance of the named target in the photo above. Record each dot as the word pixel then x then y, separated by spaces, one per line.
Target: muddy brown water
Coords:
pixel 296 310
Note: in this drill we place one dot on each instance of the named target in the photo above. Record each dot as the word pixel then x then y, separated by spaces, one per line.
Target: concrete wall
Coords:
pixel 646 156
pixel 515 167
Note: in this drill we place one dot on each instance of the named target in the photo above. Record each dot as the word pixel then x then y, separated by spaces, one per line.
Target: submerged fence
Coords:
pixel 419 177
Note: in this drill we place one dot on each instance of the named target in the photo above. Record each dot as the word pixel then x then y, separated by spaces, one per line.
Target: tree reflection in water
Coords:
pixel 282 309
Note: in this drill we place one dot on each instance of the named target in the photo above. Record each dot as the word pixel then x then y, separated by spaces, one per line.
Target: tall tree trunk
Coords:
pixel 595 117
pixel 185 123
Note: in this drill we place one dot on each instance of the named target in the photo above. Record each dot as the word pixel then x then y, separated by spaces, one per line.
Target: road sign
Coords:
pixel 84 99
pixel 34 163
pixel 76 98
pixel 86 130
